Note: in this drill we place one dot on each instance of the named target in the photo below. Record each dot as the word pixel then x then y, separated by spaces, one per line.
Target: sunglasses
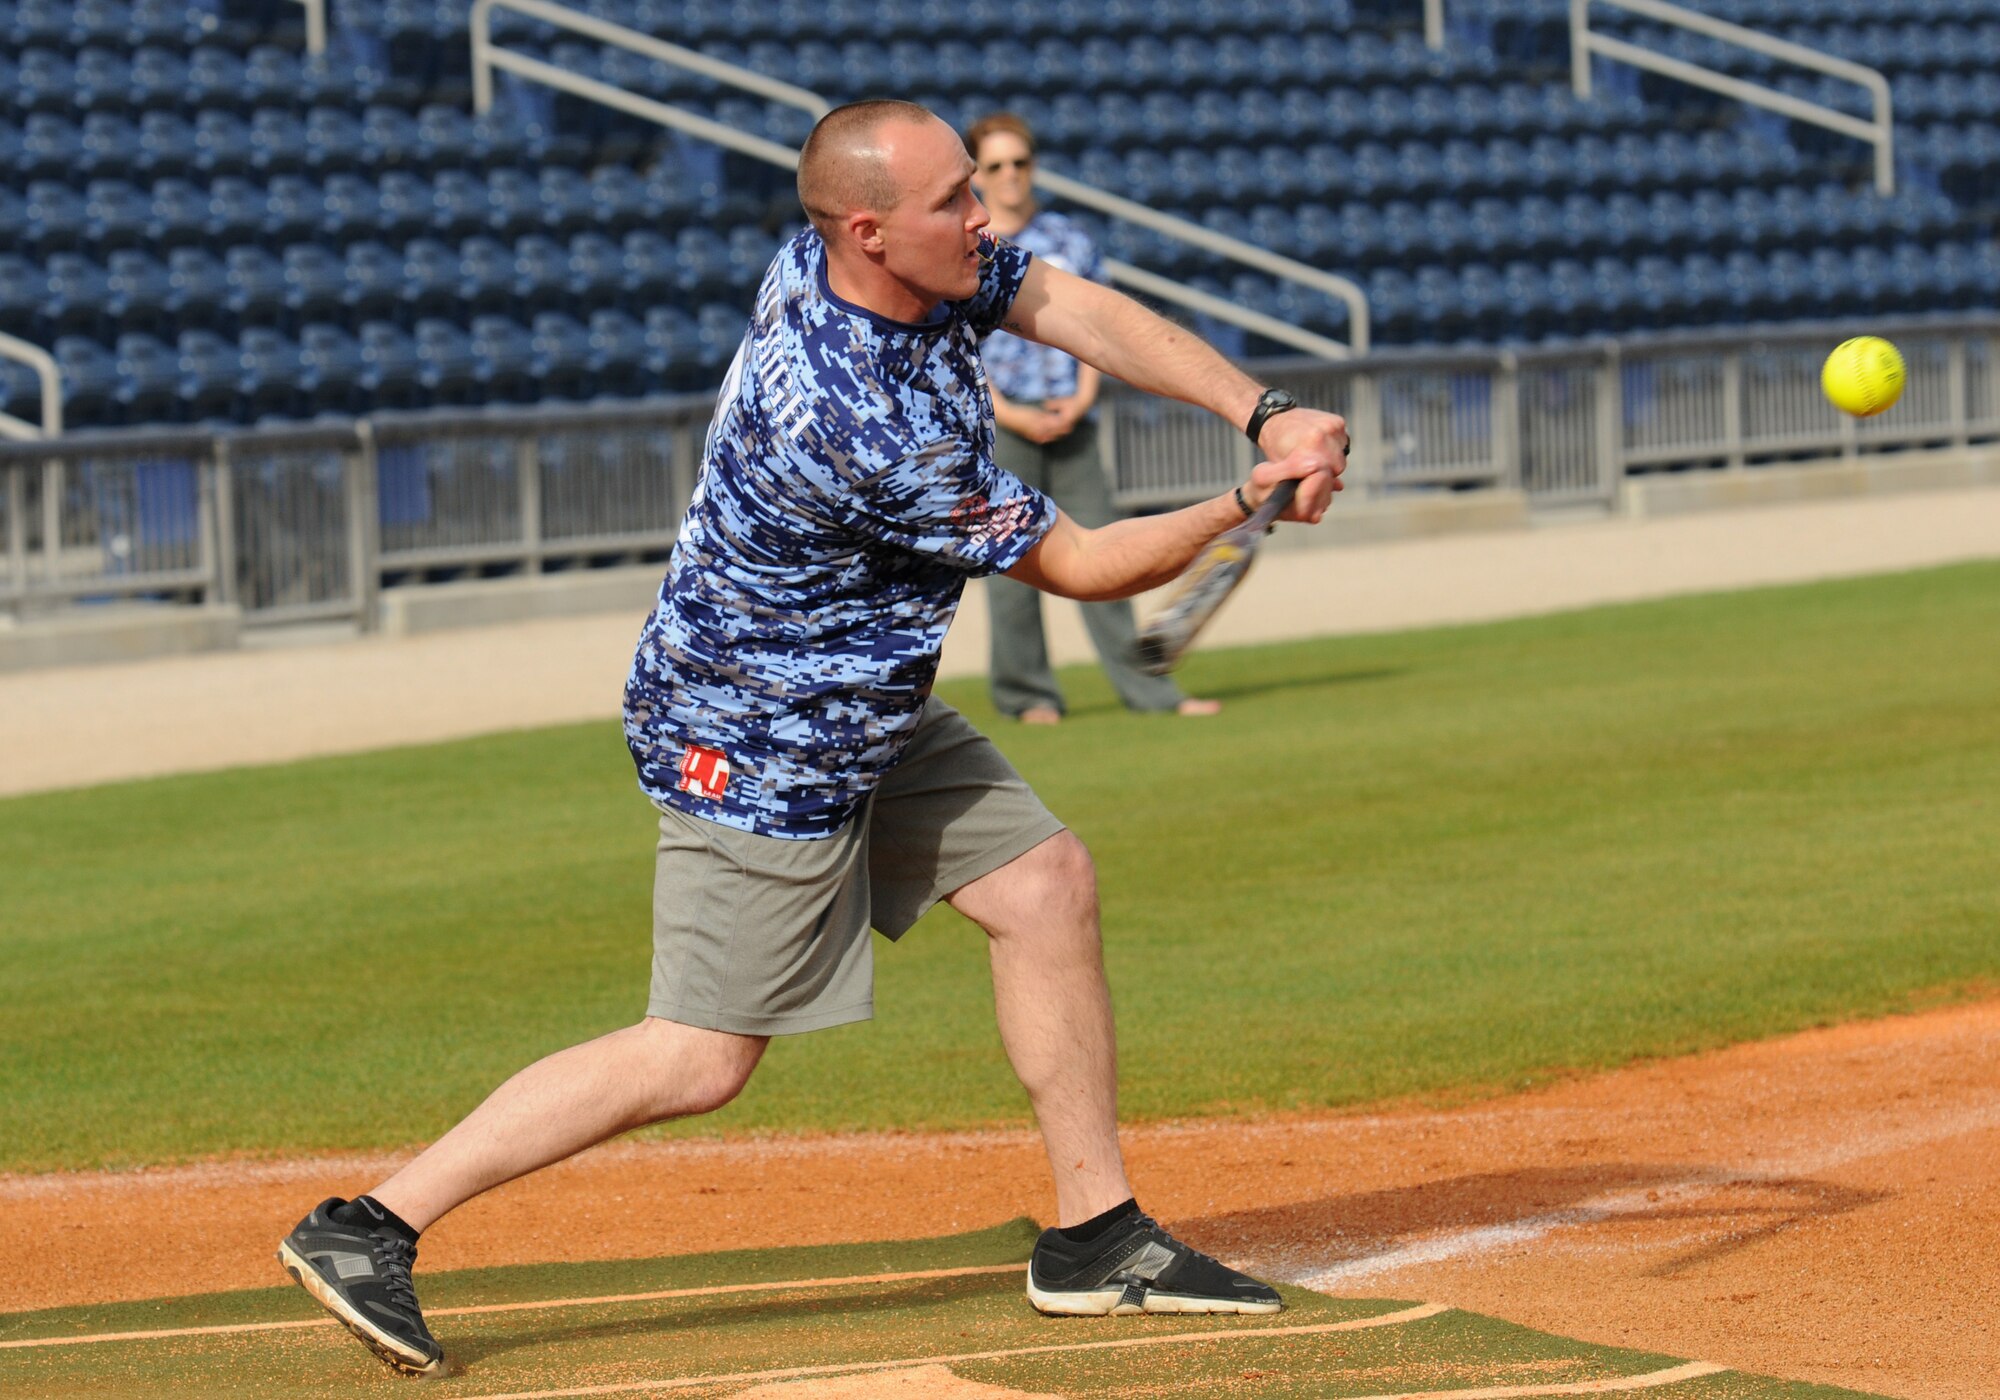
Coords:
pixel 994 167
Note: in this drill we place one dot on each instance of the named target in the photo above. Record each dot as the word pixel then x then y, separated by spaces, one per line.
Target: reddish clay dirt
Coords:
pixel 1824 1207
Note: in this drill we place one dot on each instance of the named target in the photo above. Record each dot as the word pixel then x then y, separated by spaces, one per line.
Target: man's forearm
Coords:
pixel 1126 557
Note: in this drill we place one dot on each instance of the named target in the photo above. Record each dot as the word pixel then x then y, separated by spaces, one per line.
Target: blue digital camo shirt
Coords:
pixel 1022 369
pixel 847 492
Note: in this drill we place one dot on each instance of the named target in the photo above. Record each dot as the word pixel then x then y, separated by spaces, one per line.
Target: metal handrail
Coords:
pixel 315 25
pixel 45 368
pixel 1880 132
pixel 486 56
pixel 1434 23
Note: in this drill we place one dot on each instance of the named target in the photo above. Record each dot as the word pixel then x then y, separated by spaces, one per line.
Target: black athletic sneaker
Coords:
pixel 1138 1268
pixel 362 1277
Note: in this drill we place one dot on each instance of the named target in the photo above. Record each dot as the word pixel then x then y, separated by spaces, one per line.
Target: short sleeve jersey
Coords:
pixel 847 491
pixel 1022 369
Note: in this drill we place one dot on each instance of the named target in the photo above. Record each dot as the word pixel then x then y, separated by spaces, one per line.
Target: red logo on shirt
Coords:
pixel 704 772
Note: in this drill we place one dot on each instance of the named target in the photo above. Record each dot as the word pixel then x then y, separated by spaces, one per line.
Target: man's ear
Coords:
pixel 865 230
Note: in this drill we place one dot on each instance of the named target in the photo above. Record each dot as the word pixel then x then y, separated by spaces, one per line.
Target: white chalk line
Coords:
pixel 715 1291
pixel 1483 1239
pixel 1394 1319
pixel 1692 1370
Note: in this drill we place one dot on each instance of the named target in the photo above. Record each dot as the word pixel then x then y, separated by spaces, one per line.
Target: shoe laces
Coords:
pixel 394 1256
pixel 1146 1222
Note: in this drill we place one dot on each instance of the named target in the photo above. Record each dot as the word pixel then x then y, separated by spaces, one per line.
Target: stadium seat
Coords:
pixel 237 209
pixel 353 209
pixel 374 282
pixel 486 277
pixel 51 147
pixel 541 270
pixel 451 373
pixel 89 383
pixel 274 375
pixel 159 81
pixel 44 81
pixel 334 370
pixel 119 215
pixel 563 357
pixel 216 81
pixel 257 287
pixel 333 142
pixel 393 371
pixel 390 140
pixel 211 376
pixel 148 380
pixel 198 295
pixel 57 219
pixel 408 205
pixel 103 81
pixel 673 348
pixel 278 143
pixel 505 356
pixel 23 293
pixel 141 292
pixel 446 139
pixel 430 278
pixel 618 354
pixel 223 144
pixel 461 205
pixel 315 283
pixel 274 78
pixel 515 201
pixel 110 148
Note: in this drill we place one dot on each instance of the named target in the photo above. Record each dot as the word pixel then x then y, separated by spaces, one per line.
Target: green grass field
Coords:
pixel 1431 864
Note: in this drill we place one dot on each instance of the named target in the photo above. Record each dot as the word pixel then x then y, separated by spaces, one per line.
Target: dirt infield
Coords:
pixel 1824 1207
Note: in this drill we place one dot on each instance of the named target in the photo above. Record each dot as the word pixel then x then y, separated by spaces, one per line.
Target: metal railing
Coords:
pixel 309 523
pixel 1584 42
pixel 315 25
pixel 487 56
pixel 312 522
pixel 45 368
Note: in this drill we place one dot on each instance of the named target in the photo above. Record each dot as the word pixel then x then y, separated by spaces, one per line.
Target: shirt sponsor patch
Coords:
pixel 704 772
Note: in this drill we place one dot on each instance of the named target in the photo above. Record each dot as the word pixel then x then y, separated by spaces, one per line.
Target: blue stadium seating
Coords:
pixel 1468 189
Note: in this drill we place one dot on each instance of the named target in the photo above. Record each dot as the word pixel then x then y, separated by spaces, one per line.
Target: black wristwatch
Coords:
pixel 1271 402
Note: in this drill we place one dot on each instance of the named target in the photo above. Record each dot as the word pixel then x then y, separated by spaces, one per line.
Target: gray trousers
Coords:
pixel 1070 471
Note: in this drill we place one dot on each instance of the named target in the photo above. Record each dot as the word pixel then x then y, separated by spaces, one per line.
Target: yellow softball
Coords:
pixel 1863 376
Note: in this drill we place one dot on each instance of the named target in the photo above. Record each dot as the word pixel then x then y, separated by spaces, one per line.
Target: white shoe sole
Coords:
pixel 392 1352
pixel 1105 1303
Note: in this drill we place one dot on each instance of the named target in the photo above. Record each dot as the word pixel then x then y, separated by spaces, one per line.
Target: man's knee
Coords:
pixel 1063 876
pixel 695 1070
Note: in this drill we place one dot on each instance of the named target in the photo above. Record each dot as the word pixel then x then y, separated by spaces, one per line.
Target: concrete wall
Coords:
pixel 1678 493
pixel 87 636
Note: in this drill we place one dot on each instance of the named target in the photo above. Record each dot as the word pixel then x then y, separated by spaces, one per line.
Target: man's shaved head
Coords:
pixel 844 165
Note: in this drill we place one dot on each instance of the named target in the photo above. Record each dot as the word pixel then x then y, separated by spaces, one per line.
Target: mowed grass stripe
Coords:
pixel 1430 863
pixel 533 1305
pixel 1393 1319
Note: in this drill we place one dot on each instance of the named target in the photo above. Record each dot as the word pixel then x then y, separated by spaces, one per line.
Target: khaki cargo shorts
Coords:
pixel 762 936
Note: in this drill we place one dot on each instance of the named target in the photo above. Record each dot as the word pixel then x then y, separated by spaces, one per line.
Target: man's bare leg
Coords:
pixel 1054 1007
pixel 573 1099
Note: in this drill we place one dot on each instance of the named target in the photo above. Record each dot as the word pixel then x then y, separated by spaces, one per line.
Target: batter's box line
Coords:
pixel 1687 1371
pixel 604 1300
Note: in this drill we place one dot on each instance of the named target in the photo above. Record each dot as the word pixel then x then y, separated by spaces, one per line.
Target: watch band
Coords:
pixel 1269 404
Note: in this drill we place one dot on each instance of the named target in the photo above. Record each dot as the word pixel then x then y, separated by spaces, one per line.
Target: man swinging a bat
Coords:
pixel 809 786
